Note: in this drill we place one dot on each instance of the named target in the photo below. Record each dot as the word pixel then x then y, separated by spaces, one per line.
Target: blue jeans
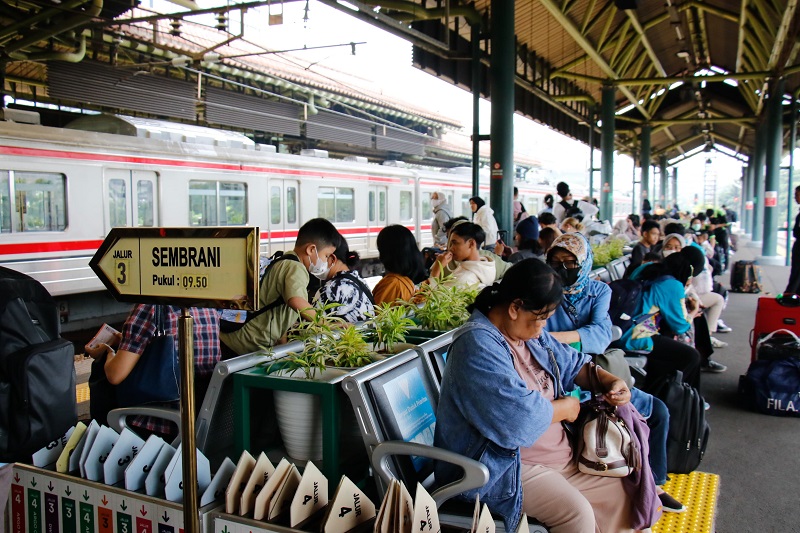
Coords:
pixel 659 426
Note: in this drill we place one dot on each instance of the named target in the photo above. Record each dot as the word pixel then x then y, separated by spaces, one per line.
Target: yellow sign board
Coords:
pixel 200 267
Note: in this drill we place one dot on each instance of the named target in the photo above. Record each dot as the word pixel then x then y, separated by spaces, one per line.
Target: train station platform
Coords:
pixel 755 456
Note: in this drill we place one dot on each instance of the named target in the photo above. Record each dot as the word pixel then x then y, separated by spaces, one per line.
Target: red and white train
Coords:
pixel 63 189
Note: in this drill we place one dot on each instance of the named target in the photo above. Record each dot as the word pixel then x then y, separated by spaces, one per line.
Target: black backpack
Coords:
pixel 37 369
pixel 688 429
pixel 231 320
pixel 626 299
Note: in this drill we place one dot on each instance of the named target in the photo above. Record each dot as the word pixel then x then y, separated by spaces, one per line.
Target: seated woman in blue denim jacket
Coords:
pixel 583 318
pixel 503 400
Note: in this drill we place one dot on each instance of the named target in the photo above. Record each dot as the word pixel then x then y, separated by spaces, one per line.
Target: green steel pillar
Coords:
pixel 774 149
pixel 758 187
pixel 607 154
pixel 674 185
pixel 662 167
pixel 502 130
pixel 644 163
pixel 745 213
pixel 476 100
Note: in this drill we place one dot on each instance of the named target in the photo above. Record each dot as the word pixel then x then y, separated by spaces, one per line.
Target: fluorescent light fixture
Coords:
pixel 8 100
pixel 624 109
pixel 675 85
pixel 702 84
pixel 348 5
pixel 718 70
pixel 731 82
pixel 661 91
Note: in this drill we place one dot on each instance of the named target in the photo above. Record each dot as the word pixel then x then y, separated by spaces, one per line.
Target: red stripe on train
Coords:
pixel 54 246
pixel 85 156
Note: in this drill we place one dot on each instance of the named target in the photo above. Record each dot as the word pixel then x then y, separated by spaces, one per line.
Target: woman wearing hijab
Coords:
pixel 484 217
pixel 583 318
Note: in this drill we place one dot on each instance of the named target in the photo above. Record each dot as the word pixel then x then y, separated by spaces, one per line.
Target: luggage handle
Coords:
pixel 768 337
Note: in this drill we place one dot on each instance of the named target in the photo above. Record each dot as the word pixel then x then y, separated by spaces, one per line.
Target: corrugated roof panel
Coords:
pixel 400 141
pixel 327 126
pixel 90 82
pixel 251 112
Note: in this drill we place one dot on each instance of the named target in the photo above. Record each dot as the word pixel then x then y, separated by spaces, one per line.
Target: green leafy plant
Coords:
pixel 350 350
pixel 391 323
pixel 443 307
pixel 327 341
pixel 607 251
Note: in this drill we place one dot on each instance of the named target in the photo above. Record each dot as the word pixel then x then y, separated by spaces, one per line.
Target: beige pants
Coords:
pixel 714 304
pixel 569 501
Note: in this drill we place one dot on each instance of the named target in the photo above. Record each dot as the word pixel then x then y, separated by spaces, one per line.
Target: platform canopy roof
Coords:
pixel 696 71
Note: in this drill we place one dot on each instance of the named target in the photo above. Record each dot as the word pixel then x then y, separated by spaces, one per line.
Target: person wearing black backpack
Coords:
pixel 568 207
pixel 664 296
pixel 345 287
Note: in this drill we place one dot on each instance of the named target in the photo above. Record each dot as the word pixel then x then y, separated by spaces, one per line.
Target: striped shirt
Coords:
pixel 140 327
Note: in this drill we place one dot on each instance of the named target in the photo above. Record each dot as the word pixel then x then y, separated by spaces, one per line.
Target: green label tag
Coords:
pixel 34 511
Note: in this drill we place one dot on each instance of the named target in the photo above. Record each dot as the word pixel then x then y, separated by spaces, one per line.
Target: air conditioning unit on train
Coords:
pixel 20 116
pixel 313 152
pixel 356 159
pixel 269 148
pixel 394 163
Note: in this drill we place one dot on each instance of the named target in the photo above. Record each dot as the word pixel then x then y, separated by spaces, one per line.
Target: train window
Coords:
pixel 117 203
pixel 5 203
pixel 232 203
pixel 291 205
pixel 40 201
pixel 406 205
pixel 427 210
pixel 203 203
pixel 372 206
pixel 466 210
pixel 275 204
pixel 337 204
pixel 213 203
pixel 145 202
pixel 382 206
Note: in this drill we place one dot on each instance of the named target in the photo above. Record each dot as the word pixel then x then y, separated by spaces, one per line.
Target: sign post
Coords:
pixel 200 267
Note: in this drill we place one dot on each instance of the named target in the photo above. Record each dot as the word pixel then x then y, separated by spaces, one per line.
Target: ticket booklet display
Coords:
pixel 49 501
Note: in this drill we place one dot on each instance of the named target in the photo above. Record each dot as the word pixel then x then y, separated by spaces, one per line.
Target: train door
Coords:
pixel 284 215
pixel 376 214
pixel 131 199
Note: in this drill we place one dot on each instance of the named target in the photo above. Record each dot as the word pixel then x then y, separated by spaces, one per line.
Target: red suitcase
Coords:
pixel 771 316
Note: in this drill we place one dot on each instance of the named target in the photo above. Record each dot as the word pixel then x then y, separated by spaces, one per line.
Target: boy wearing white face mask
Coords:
pixel 286 282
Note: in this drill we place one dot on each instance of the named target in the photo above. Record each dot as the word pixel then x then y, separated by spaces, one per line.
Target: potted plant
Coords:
pixel 389 327
pixel 330 346
pixel 443 308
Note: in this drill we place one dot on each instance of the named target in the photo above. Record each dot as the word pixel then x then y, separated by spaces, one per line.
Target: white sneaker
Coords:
pixel 722 327
pixel 716 343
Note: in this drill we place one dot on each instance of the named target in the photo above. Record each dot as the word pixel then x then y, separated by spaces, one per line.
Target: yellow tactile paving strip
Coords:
pixel 82 392
pixel 698 491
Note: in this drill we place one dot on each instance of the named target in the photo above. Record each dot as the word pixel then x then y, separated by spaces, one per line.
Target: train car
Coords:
pixel 63 189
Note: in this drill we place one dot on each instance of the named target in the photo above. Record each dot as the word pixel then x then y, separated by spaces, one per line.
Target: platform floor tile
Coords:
pixel 698 491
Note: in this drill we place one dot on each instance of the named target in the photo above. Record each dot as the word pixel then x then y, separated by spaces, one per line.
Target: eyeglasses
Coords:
pixel 555 265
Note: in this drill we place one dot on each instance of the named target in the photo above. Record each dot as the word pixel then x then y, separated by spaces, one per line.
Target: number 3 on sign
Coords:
pixel 122 268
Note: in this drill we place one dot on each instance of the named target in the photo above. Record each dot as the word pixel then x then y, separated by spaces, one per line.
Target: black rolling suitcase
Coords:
pixel 746 277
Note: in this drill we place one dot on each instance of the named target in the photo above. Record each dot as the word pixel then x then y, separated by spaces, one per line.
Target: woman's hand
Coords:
pixel 618 393
pixel 566 409
pixel 96 351
pixel 499 247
